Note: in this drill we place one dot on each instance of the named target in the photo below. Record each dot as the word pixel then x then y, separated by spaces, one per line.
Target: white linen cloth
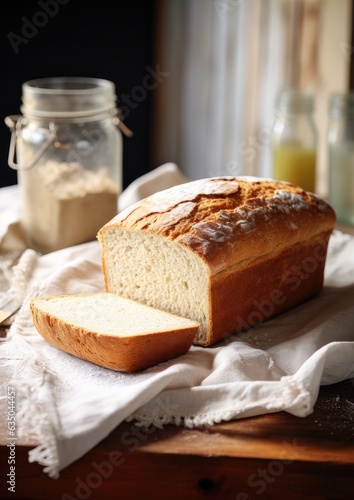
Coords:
pixel 69 405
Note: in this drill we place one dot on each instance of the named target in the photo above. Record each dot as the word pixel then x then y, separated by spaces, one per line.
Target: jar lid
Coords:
pixel 295 100
pixel 62 97
pixel 341 103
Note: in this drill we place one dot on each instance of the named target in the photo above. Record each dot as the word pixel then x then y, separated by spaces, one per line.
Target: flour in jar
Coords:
pixel 65 204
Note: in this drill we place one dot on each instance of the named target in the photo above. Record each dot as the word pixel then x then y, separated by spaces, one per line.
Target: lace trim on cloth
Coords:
pixel 36 415
pixel 290 394
pixel 296 396
pixel 22 273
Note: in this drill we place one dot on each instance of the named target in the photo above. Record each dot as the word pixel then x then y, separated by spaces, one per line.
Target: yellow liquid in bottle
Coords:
pixel 295 164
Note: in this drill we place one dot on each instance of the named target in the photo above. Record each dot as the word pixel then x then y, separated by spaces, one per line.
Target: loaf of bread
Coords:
pixel 226 252
pixel 112 331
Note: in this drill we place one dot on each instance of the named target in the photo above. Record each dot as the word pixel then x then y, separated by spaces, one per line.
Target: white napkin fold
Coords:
pixel 278 365
pixel 69 405
pixel 162 177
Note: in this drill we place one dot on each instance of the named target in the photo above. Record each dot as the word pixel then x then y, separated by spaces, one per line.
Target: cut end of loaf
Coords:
pixel 112 331
pixel 163 274
pixel 212 249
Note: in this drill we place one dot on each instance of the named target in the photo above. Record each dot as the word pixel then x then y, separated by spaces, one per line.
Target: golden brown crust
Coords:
pixel 256 293
pixel 264 243
pixel 230 220
pixel 125 354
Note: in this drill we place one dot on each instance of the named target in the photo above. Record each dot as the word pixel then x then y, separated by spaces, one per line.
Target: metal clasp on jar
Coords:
pixel 15 124
pixel 118 122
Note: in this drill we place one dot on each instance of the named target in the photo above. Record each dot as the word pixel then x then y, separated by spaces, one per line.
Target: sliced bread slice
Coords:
pixel 112 331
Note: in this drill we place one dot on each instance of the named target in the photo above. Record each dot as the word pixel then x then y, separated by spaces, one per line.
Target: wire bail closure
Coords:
pixel 17 122
pixel 117 120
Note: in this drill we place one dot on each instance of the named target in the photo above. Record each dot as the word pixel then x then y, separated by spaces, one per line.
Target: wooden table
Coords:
pixel 270 456
pixel 275 456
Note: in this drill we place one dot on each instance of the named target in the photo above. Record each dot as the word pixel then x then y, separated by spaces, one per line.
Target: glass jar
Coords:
pixel 294 139
pixel 340 141
pixel 68 152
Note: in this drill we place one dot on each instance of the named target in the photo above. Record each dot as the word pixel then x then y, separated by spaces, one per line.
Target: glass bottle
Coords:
pixel 68 152
pixel 294 139
pixel 340 142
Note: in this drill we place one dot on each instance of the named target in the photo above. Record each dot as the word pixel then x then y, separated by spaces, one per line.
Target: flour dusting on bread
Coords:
pixel 215 249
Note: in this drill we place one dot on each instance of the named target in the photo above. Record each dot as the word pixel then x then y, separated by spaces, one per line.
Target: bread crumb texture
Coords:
pixel 209 249
pixel 112 331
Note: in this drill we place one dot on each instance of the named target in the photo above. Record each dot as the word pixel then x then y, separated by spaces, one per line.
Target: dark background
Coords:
pixel 111 40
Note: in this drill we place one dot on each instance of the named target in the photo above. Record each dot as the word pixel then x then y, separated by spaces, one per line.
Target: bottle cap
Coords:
pixel 341 103
pixel 293 100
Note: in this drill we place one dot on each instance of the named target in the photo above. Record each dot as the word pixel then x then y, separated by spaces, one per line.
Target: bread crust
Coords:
pixel 253 294
pixel 250 233
pixel 229 221
pixel 120 353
